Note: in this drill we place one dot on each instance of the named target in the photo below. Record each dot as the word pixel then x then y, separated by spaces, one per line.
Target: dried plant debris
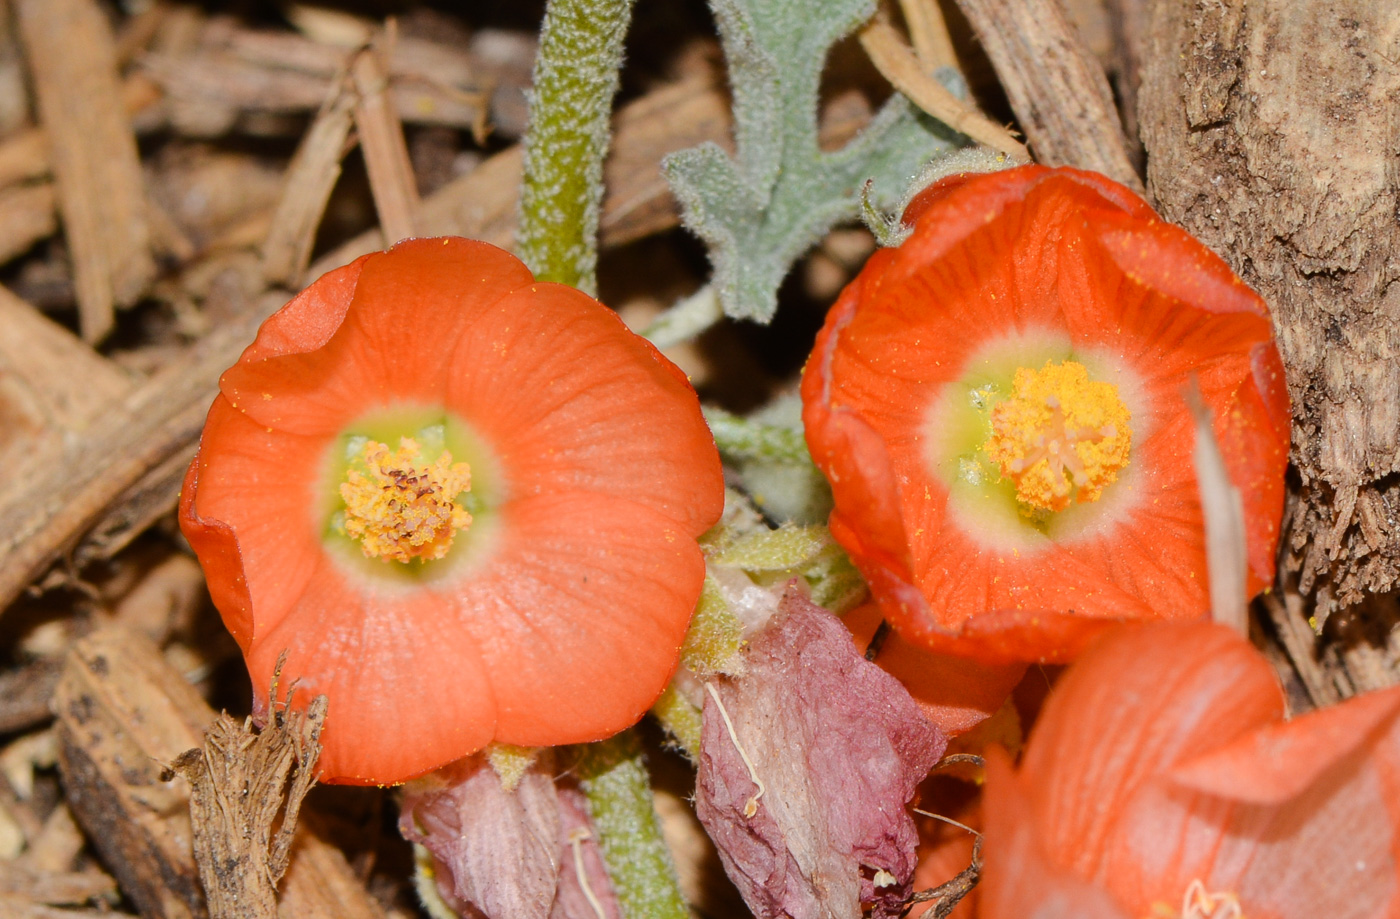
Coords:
pixel 505 846
pixel 806 764
pixel 248 787
pixel 494 851
pixel 122 712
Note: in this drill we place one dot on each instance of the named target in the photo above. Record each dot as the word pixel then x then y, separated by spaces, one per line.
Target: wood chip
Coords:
pixel 123 715
pixel 1056 87
pixel 928 31
pixel 152 431
pixel 24 695
pixel 72 59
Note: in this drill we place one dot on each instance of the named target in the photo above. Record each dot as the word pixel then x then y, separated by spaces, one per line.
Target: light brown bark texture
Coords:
pixel 1272 130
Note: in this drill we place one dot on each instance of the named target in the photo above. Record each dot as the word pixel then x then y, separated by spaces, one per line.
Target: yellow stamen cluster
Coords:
pixel 1059 436
pixel 400 507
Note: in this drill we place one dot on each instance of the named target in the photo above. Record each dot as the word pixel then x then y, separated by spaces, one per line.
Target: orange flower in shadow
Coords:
pixel 998 404
pixel 1162 781
pixel 955 693
pixel 465 503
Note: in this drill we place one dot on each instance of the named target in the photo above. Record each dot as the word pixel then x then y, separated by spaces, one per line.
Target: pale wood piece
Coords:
pixel 310 178
pixel 26 216
pixel 72 59
pixel 896 62
pixel 70 380
pixel 1272 135
pixel 1056 87
pixel 124 715
pixel 928 32
pixel 391 179
pixel 25 155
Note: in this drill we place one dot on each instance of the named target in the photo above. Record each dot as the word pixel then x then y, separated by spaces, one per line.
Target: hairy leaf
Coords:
pixel 759 212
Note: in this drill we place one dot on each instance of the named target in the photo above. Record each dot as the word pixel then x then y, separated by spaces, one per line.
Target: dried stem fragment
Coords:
pixel 1057 88
pixel 245 783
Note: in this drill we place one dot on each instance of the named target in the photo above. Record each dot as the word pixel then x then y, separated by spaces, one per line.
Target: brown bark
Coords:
pixel 1272 134
pixel 1057 88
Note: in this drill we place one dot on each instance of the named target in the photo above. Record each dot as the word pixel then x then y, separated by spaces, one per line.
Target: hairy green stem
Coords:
pixel 614 777
pixel 576 76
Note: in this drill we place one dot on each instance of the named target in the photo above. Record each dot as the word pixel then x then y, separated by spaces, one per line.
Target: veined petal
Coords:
pixel 395 342
pixel 590 407
pixel 580 615
pixel 1161 765
pixel 268 536
pixel 407 686
pixel 1019 879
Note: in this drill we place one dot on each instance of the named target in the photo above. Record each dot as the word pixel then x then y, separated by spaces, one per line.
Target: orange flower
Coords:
pixel 464 503
pixel 998 404
pixel 1161 781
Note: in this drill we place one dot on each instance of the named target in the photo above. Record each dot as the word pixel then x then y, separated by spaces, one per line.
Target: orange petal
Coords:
pixel 1113 721
pixel 1020 880
pixel 1161 760
pixel 310 318
pixel 587 406
pixel 408 691
pixel 258 545
pixel 580 614
pixel 396 342
pixel 1280 761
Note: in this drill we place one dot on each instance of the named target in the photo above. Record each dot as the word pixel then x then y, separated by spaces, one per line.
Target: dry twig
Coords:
pixel 1057 88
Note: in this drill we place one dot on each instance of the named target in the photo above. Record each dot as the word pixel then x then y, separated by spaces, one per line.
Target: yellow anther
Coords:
pixel 400 507
pixel 1059 436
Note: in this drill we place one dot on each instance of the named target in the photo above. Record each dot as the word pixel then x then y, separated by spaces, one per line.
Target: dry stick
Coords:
pixel 1057 89
pixel 157 424
pixel 897 63
pixel 68 380
pixel 72 58
pixel 25 155
pixel 381 138
pixel 928 31
pixel 306 189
